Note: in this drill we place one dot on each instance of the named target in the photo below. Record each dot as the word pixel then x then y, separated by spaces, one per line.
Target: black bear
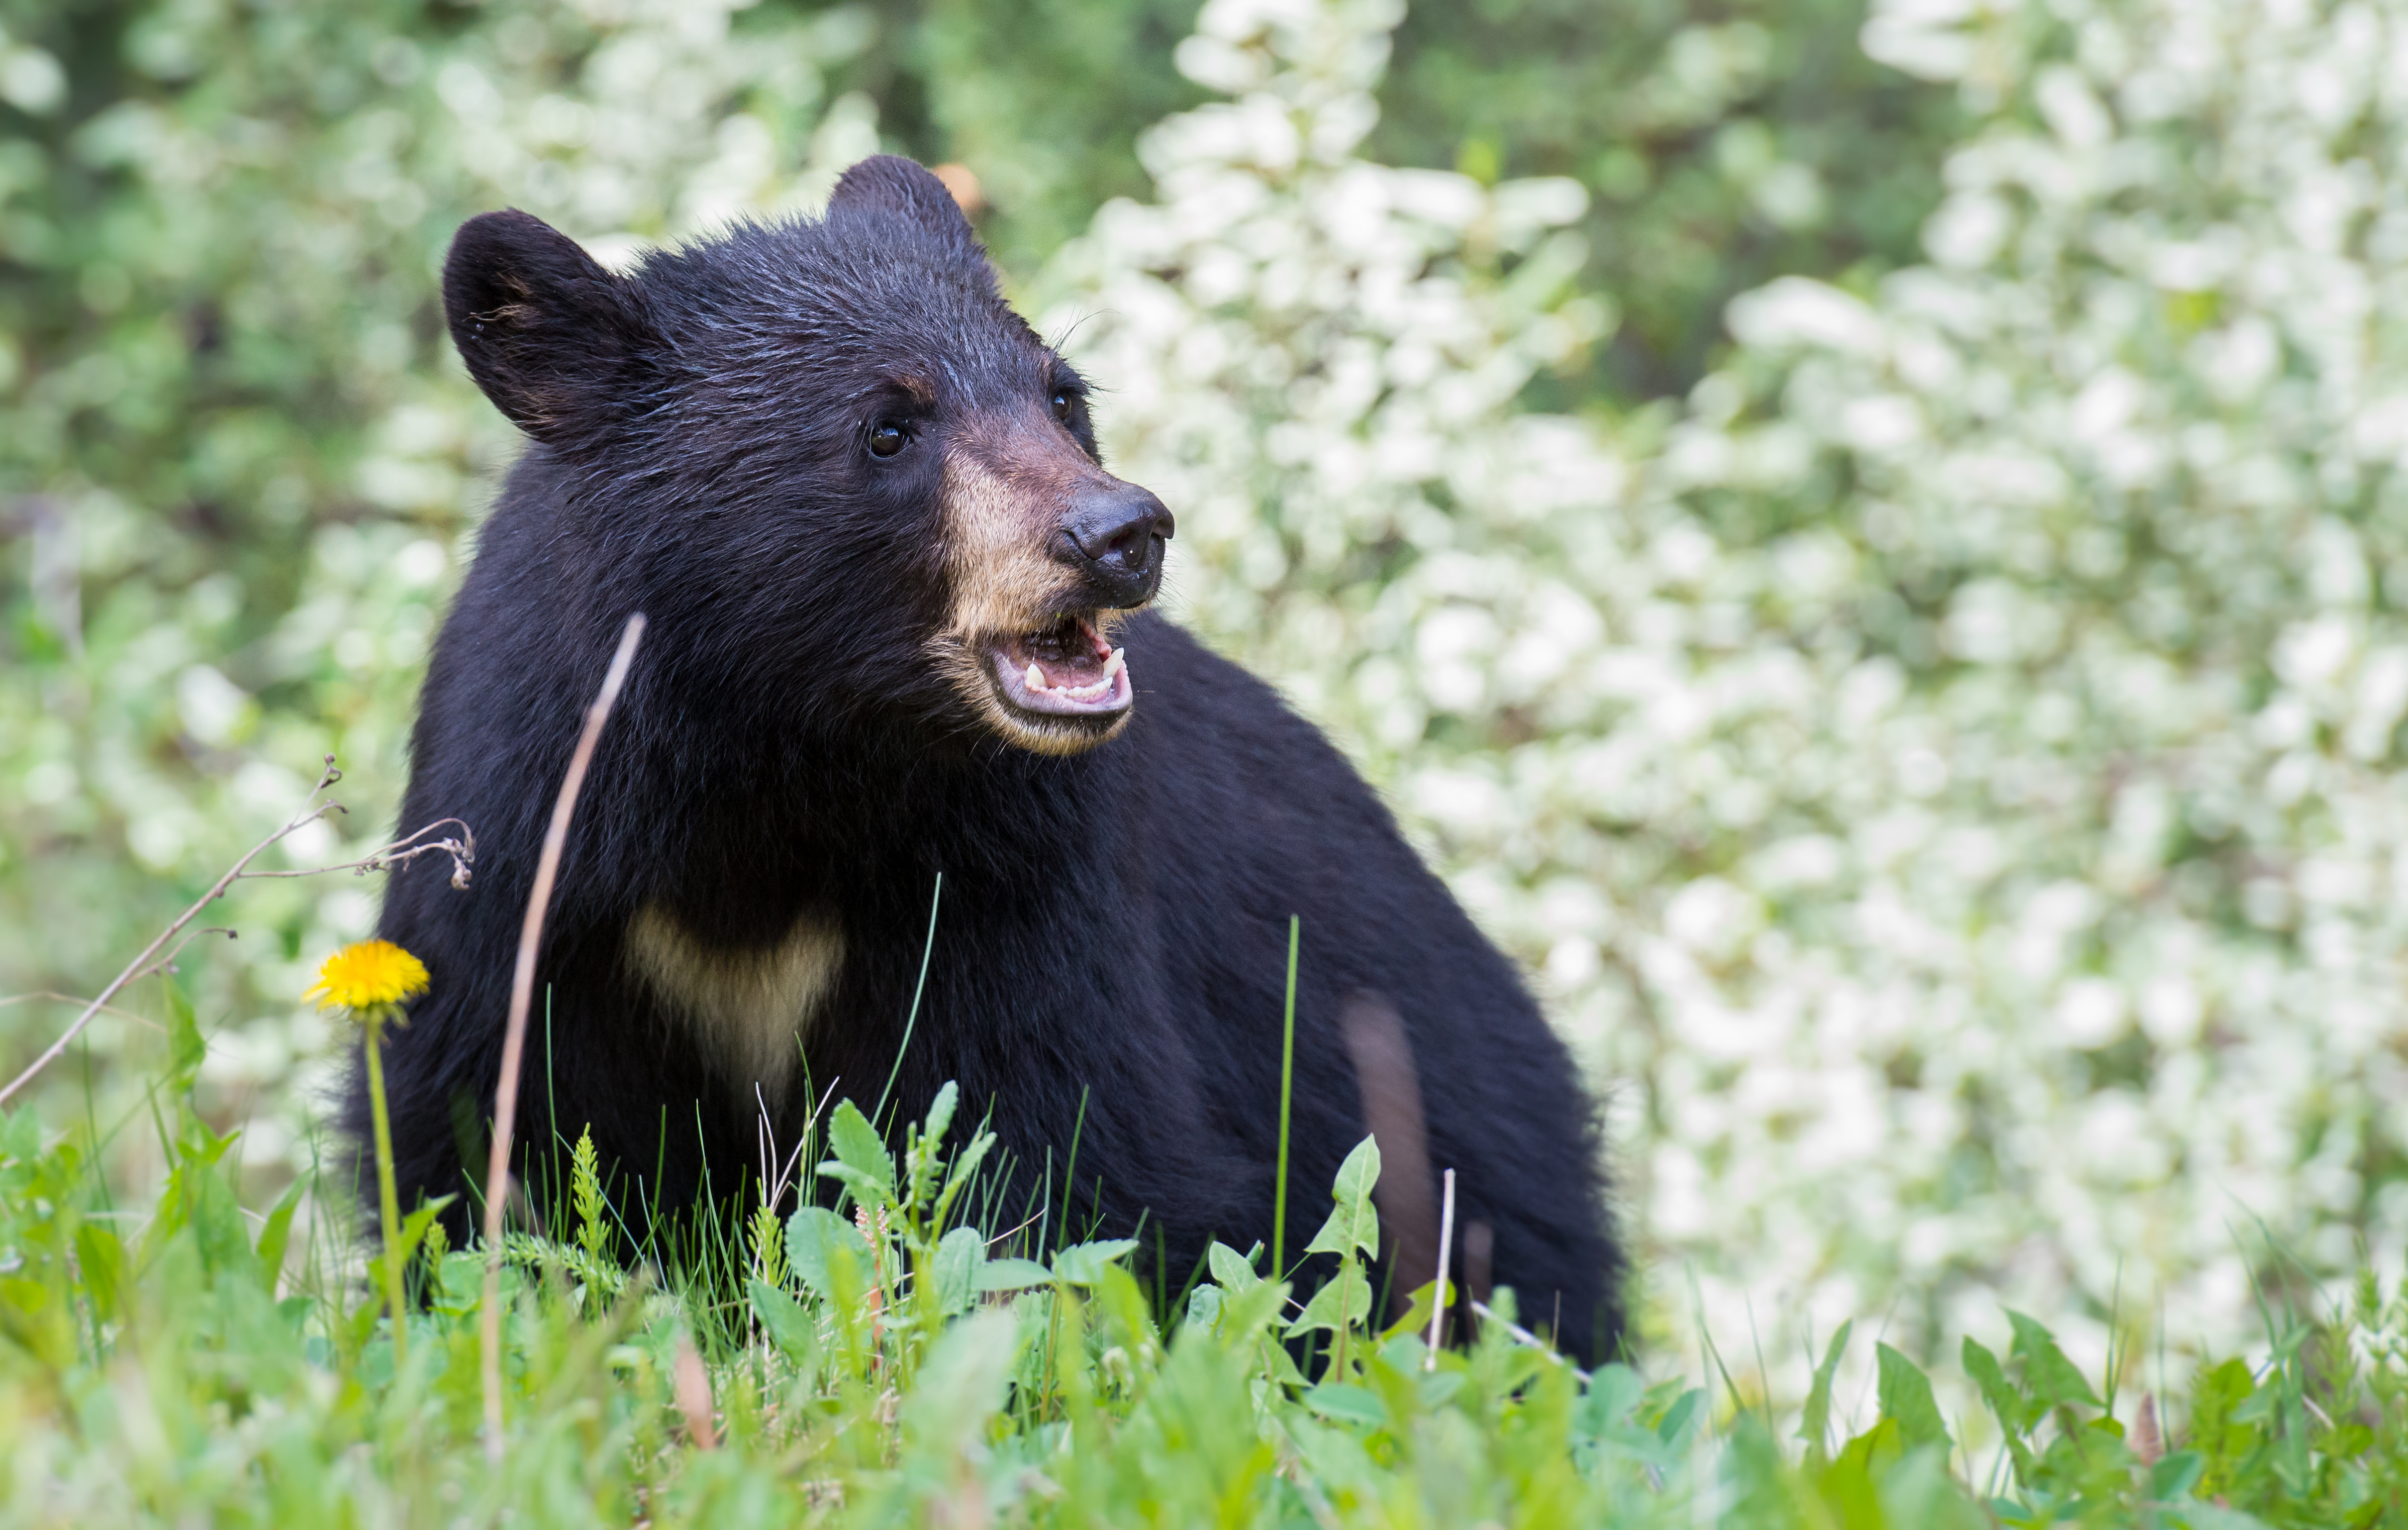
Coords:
pixel 896 629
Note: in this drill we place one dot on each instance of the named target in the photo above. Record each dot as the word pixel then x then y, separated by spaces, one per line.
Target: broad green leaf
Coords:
pixel 1338 1305
pixel 187 1049
pixel 2051 1377
pixel 1815 1426
pixel 961 1384
pixel 2014 1410
pixel 1232 1270
pixel 787 1324
pixel 278 1232
pixel 960 1254
pixel 2217 1399
pixel 1353 1224
pixel 1254 1315
pixel 1905 1396
pixel 864 1190
pixel 215 1216
pixel 1919 1492
pixel 1872 1452
pixel 1614 1394
pixel 940 1114
pixel 1203 1307
pixel 103 1258
pixel 811 1232
pixel 859 1149
pixel 964 1167
pixel 1012 1275
pixel 196 1189
pixel 1677 1418
pixel 1344 1403
pixel 1416 1318
pixel 1436 1388
pixel 2176 1475
pixel 1083 1264
pixel 29 1317
pixel 460 1277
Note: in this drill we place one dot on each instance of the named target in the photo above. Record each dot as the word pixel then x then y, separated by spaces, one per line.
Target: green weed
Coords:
pixel 886 1365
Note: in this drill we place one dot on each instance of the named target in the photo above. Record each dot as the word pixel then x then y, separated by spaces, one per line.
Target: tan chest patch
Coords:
pixel 748 1005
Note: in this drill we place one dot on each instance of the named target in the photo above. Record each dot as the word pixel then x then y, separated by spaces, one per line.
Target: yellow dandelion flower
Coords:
pixel 368 975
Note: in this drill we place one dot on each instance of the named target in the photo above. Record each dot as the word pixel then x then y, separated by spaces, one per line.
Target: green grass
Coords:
pixel 204 1362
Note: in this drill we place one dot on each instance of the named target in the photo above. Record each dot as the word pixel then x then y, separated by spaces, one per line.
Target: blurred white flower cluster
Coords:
pixel 1946 774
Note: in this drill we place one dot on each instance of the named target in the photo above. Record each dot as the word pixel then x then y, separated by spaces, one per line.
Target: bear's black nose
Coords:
pixel 1115 536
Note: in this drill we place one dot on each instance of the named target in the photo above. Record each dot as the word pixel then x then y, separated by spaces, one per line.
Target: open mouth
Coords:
pixel 1065 670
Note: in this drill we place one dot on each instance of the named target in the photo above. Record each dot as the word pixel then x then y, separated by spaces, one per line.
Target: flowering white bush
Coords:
pixel 1946 776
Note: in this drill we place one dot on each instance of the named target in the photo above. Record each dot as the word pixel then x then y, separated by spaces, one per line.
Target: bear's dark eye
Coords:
pixel 1062 405
pixel 886 438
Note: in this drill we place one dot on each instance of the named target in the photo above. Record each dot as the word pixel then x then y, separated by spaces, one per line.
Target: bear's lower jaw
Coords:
pixel 1065 671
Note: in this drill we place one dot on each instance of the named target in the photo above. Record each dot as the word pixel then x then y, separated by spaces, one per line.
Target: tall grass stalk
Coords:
pixel 934 900
pixel 1287 1094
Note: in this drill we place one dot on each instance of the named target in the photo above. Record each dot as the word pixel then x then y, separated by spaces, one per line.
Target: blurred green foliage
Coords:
pixel 223 376
pixel 224 379
pixel 1723 145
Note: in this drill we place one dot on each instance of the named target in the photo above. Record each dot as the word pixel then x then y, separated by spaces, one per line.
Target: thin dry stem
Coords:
pixel 776 1176
pixel 506 1093
pixel 2147 1441
pixel 461 848
pixel 168 962
pixel 310 810
pixel 693 1386
pixel 40 995
pixel 1445 1251
pixel 1524 1336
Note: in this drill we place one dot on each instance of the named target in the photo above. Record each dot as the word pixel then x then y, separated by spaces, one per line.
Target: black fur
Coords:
pixel 1115 923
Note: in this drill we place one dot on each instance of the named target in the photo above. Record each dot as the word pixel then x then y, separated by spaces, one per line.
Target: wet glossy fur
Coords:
pixel 789 757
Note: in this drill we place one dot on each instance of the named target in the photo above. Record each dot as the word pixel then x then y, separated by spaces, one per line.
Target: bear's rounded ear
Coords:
pixel 559 344
pixel 893 185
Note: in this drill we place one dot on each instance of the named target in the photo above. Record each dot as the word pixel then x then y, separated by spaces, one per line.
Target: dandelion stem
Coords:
pixel 388 1198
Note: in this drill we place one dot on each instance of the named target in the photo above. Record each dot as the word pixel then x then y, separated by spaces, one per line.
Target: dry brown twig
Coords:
pixel 691 1382
pixel 1438 1298
pixel 2147 1441
pixel 505 1092
pixel 776 1175
pixel 46 995
pixel 1528 1339
pixel 461 848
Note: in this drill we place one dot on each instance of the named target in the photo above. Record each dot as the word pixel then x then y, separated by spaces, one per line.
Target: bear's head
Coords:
pixel 844 477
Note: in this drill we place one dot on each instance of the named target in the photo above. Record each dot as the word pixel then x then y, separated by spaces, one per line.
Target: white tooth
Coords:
pixel 1115 665
pixel 1036 677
